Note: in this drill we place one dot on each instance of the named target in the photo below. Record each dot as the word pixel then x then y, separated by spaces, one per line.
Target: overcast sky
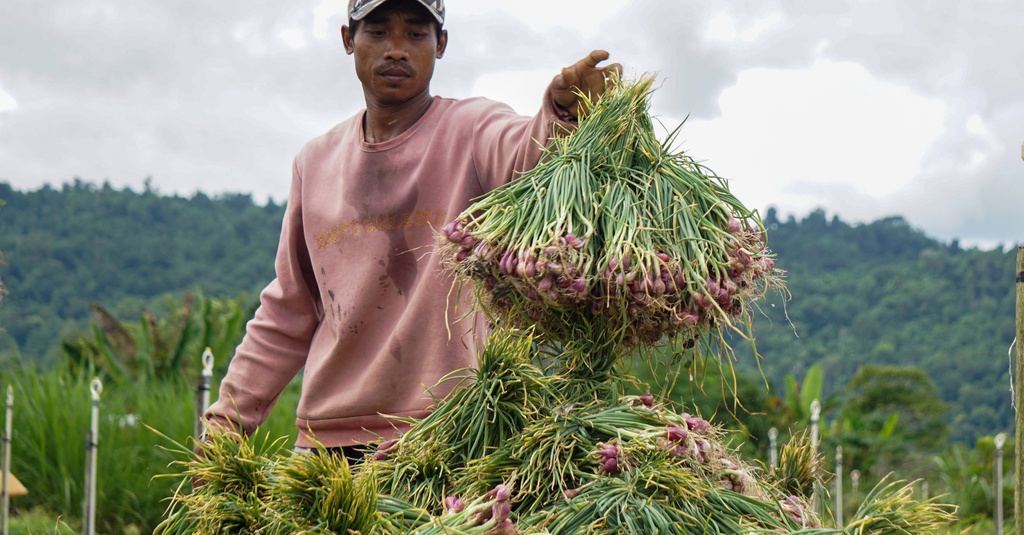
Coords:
pixel 866 109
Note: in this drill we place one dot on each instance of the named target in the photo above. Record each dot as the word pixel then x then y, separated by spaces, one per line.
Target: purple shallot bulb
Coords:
pixel 698 425
pixel 677 434
pixel 610 466
pixel 505 527
pixel 531 269
pixel 501 492
pixel 451 227
pixel 702 301
pixel 501 510
pixel 608 450
pixel 735 226
pixel 453 504
pixel 384 449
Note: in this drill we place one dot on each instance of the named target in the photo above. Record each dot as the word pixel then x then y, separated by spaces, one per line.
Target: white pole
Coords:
pixel 839 487
pixel 1000 438
pixel 203 394
pixel 91 442
pixel 5 473
pixel 815 414
pixel 773 452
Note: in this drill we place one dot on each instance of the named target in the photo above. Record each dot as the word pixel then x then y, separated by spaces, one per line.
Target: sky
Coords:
pixel 865 109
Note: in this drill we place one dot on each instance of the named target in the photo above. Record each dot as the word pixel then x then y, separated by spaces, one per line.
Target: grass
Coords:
pixel 38 521
pixel 50 420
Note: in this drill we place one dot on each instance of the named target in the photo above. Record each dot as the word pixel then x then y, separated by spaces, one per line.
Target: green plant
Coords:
pixel 51 416
pixel 966 477
pixel 37 521
pixel 159 348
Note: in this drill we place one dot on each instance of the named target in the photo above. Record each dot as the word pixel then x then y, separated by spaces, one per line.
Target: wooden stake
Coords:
pixel 1018 390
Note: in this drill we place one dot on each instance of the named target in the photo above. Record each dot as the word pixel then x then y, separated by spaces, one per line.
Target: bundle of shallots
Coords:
pixel 615 235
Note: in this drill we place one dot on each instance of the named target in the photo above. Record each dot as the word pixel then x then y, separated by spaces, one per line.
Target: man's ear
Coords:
pixel 442 44
pixel 346 39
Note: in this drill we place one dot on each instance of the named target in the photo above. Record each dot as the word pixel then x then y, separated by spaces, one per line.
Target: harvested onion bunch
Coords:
pixel 616 233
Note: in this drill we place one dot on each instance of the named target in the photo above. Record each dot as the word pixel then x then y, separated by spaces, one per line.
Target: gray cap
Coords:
pixel 357 9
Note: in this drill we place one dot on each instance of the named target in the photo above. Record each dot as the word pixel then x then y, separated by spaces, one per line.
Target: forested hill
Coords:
pixel 85 243
pixel 884 293
pixel 881 293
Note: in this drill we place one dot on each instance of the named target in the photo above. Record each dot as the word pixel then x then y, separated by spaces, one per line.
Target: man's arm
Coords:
pixel 506 145
pixel 277 339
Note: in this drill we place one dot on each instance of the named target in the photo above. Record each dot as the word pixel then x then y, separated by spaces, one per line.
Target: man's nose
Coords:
pixel 396 50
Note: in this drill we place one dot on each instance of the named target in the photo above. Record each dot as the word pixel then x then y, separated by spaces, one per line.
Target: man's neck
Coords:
pixel 383 123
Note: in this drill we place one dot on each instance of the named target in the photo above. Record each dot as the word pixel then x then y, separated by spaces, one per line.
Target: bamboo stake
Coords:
pixel 5 474
pixel 999 483
pixel 91 442
pixel 1018 388
pixel 203 395
pixel 839 487
pixel 815 435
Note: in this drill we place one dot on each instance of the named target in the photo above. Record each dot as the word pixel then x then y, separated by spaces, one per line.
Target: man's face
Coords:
pixel 395 48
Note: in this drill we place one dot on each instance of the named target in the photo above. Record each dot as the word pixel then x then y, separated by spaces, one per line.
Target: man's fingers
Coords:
pixel 584 77
pixel 595 57
pixel 569 77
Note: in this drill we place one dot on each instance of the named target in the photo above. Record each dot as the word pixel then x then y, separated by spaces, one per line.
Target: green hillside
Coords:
pixel 84 243
pixel 884 293
pixel 881 293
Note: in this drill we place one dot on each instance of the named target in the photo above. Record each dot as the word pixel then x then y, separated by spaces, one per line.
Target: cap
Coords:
pixel 357 9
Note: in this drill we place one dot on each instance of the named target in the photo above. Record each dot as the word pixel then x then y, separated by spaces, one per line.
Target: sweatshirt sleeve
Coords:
pixel 277 339
pixel 506 144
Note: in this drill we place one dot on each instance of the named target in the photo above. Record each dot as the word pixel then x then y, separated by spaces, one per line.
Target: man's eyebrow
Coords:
pixel 408 18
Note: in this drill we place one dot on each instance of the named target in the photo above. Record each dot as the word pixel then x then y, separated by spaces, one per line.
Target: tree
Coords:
pixel 891 417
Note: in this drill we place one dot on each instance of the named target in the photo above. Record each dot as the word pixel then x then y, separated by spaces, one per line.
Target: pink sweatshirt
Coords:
pixel 359 299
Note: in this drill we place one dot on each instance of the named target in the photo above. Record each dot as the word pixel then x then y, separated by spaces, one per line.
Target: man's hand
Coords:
pixel 583 77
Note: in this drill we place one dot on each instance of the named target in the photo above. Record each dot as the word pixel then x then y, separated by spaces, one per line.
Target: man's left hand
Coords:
pixel 584 77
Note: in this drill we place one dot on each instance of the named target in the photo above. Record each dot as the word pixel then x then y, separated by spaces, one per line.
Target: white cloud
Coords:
pixel 295 38
pixel 583 16
pixel 722 27
pixel 829 124
pixel 7 101
pixel 521 89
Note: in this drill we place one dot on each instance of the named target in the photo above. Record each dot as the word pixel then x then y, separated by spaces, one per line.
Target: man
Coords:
pixel 359 301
